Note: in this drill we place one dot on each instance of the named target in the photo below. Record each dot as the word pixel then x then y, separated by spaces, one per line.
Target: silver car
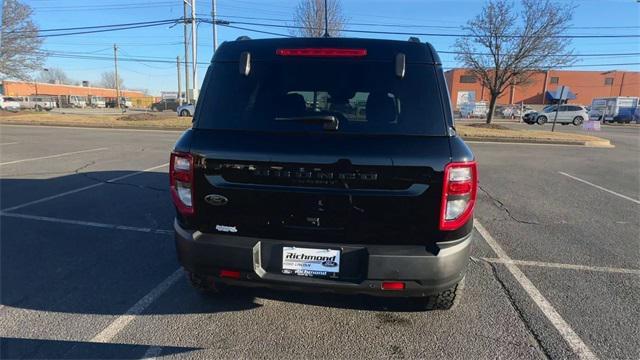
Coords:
pixel 186 110
pixel 567 114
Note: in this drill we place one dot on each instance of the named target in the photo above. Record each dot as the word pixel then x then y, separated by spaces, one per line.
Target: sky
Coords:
pixel 590 17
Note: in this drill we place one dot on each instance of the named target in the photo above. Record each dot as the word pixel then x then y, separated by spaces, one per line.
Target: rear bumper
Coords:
pixel 425 271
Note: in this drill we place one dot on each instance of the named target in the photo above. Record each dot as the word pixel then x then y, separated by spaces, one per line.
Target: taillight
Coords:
pixel 322 52
pixel 459 190
pixel 181 182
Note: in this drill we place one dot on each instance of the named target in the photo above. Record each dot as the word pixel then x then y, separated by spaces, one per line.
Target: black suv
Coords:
pixel 325 164
pixel 165 104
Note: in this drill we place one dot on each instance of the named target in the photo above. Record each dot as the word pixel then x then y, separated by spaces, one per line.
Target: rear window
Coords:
pixel 364 96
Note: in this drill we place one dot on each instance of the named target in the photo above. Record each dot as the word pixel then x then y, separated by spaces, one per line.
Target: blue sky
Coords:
pixel 165 42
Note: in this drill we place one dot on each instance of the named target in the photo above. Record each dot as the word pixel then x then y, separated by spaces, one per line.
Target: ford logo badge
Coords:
pixel 216 200
pixel 329 263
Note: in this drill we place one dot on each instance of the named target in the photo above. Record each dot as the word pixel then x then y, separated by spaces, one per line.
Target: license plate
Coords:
pixel 310 262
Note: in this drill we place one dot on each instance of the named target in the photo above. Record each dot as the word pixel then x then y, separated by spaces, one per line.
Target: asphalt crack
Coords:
pixel 500 205
pixel 534 339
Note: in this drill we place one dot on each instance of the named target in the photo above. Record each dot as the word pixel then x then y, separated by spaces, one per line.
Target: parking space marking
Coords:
pixel 600 187
pixel 565 330
pixel 53 156
pixel 9 143
pixel 564 266
pixel 108 333
pixel 87 223
pixel 52 197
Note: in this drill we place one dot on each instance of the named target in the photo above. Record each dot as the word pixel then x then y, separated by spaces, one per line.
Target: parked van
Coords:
pixel 9 104
pixel 606 108
pixel 77 101
pixel 97 102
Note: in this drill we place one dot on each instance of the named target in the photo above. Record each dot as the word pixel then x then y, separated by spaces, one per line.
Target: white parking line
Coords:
pixel 565 330
pixel 600 187
pixel 516 143
pixel 108 333
pixel 564 266
pixel 53 156
pixel 9 143
pixel 87 223
pixel 82 188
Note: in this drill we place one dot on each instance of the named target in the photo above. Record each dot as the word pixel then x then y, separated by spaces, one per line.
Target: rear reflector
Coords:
pixel 230 274
pixel 392 286
pixel 322 52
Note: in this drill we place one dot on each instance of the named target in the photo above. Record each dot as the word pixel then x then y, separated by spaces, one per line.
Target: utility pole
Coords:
pixel 179 81
pixel 194 51
pixel 186 55
pixel 553 127
pixel 115 61
pixel 213 23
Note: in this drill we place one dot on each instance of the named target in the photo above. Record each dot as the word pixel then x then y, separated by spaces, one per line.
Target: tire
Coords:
pixel 541 120
pixel 577 121
pixel 441 301
pixel 153 108
pixel 184 113
pixel 38 108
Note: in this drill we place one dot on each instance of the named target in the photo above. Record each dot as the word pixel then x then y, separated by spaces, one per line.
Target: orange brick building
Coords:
pixel 585 84
pixel 20 88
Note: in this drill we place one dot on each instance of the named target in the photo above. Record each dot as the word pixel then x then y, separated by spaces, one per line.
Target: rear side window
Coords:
pixel 365 97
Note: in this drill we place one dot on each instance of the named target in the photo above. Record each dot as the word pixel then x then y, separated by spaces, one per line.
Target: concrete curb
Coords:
pixel 604 143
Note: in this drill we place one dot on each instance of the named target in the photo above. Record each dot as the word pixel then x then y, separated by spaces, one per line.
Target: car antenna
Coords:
pixel 326 20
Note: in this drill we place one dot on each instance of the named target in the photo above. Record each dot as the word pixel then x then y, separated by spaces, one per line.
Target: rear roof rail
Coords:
pixel 413 39
pixel 243 37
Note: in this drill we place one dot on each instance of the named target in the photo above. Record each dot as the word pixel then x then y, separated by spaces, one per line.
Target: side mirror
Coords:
pixel 245 63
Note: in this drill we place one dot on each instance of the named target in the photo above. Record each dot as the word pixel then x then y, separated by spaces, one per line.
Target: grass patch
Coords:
pixel 116 120
pixel 506 134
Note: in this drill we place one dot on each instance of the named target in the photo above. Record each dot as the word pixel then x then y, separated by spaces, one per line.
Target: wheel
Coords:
pixel 203 284
pixel 441 301
pixel 541 120
pixel 184 113
pixel 577 121
pixel 153 108
pixel 38 108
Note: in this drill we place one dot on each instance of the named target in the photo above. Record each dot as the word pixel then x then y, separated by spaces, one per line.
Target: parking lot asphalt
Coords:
pixel 88 266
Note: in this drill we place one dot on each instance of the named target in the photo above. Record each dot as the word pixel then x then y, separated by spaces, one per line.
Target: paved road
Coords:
pixel 88 268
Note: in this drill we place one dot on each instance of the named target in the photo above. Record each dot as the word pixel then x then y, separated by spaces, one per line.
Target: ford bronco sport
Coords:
pixel 326 164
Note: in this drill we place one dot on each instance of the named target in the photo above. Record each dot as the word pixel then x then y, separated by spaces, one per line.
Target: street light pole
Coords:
pixel 186 54
pixel 194 51
pixel 213 23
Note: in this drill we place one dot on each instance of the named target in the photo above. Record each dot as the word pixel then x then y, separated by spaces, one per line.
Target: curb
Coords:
pixel 604 143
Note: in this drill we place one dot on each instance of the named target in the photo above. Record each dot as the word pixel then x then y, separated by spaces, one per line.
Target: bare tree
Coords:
pixel 504 45
pixel 20 49
pixel 108 80
pixel 309 17
pixel 54 76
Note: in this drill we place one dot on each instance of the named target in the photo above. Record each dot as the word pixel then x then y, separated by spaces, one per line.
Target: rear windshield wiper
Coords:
pixel 329 122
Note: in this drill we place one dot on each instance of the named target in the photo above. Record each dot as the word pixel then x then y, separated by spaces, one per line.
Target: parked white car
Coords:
pixel 186 110
pixel 9 104
pixel 37 103
pixel 567 114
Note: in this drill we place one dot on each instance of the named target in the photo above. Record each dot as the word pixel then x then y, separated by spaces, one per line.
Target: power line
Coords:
pixel 110 29
pixel 226 22
pixel 95 26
